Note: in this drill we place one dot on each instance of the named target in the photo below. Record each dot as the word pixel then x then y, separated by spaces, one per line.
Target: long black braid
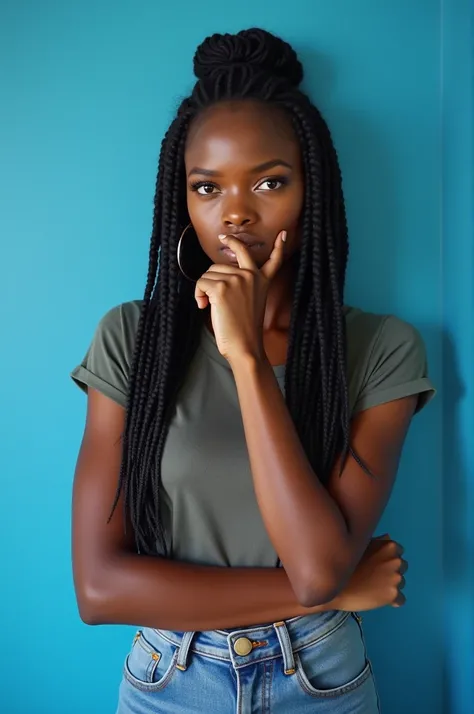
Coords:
pixel 250 65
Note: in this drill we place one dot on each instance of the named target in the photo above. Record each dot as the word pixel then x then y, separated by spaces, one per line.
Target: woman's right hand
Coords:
pixel 378 579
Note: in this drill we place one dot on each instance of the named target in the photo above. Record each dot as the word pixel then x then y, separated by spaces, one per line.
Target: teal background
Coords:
pixel 88 90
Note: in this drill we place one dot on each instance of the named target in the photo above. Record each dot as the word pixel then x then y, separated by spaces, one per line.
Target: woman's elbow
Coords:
pixel 90 602
pixel 314 591
pixel 313 597
pixel 89 615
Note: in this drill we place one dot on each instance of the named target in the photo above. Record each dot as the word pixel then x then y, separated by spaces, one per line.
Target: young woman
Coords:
pixel 244 425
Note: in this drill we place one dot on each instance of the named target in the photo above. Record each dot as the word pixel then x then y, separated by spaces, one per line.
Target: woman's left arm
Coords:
pixel 319 533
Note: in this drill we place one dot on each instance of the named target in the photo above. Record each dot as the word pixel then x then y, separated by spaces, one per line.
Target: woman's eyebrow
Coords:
pixel 203 172
pixel 271 165
pixel 256 169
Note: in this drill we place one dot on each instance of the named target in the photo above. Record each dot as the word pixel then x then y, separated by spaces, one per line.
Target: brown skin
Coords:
pixel 332 526
pixel 245 199
pixel 335 564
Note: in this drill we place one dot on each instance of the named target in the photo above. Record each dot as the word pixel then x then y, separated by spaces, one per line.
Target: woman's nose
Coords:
pixel 238 212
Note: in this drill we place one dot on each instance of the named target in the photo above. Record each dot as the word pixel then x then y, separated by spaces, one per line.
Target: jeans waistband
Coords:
pixel 257 643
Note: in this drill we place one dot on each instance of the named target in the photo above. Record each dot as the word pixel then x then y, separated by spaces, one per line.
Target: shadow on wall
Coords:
pixel 412 648
pixel 457 558
pixel 406 645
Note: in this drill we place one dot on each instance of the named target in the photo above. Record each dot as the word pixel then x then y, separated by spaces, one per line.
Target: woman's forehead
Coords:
pixel 243 130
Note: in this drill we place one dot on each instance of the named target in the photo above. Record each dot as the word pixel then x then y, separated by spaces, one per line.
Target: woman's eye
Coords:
pixel 206 189
pixel 270 184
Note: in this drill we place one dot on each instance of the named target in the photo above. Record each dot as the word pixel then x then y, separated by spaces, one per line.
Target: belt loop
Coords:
pixel 286 648
pixel 181 662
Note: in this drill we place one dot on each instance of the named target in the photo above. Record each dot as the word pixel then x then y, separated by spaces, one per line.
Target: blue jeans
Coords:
pixel 316 663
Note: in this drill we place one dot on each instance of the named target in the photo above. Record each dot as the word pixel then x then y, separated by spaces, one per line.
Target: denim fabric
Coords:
pixel 317 663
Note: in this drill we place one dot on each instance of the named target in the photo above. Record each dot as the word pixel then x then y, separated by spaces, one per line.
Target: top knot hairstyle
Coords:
pixel 252 64
pixel 251 52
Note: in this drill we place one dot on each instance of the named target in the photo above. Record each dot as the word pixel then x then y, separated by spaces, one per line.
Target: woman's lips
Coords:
pixel 230 253
pixel 251 242
pixel 247 238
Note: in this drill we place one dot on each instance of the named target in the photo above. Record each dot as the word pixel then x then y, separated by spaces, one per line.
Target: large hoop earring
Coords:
pixel 199 260
pixel 179 254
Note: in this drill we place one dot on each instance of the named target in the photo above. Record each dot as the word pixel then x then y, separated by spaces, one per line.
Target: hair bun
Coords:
pixel 258 48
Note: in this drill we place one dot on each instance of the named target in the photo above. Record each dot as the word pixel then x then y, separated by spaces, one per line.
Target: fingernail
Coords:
pixel 222 236
pixel 283 236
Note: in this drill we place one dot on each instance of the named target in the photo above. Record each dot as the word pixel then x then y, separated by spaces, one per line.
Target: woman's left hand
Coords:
pixel 378 579
pixel 237 296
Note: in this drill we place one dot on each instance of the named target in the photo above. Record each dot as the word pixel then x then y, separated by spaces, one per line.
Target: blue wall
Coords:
pixel 88 90
pixel 457 230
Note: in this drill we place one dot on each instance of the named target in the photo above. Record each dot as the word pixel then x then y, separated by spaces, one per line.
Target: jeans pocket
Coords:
pixel 151 663
pixel 336 663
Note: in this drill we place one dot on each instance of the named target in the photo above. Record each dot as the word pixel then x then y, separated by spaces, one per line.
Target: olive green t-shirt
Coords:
pixel 209 508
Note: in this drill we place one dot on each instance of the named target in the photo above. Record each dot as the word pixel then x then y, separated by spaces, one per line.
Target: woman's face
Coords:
pixel 244 177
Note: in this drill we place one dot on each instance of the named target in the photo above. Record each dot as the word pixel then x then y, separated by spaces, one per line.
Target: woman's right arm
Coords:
pixel 115 585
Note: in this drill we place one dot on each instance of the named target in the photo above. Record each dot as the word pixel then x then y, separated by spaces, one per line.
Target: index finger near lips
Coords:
pixel 244 258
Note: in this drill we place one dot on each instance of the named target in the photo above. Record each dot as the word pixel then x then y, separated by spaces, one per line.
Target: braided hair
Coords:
pixel 252 64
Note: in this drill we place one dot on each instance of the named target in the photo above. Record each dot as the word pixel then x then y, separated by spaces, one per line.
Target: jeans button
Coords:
pixel 242 646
